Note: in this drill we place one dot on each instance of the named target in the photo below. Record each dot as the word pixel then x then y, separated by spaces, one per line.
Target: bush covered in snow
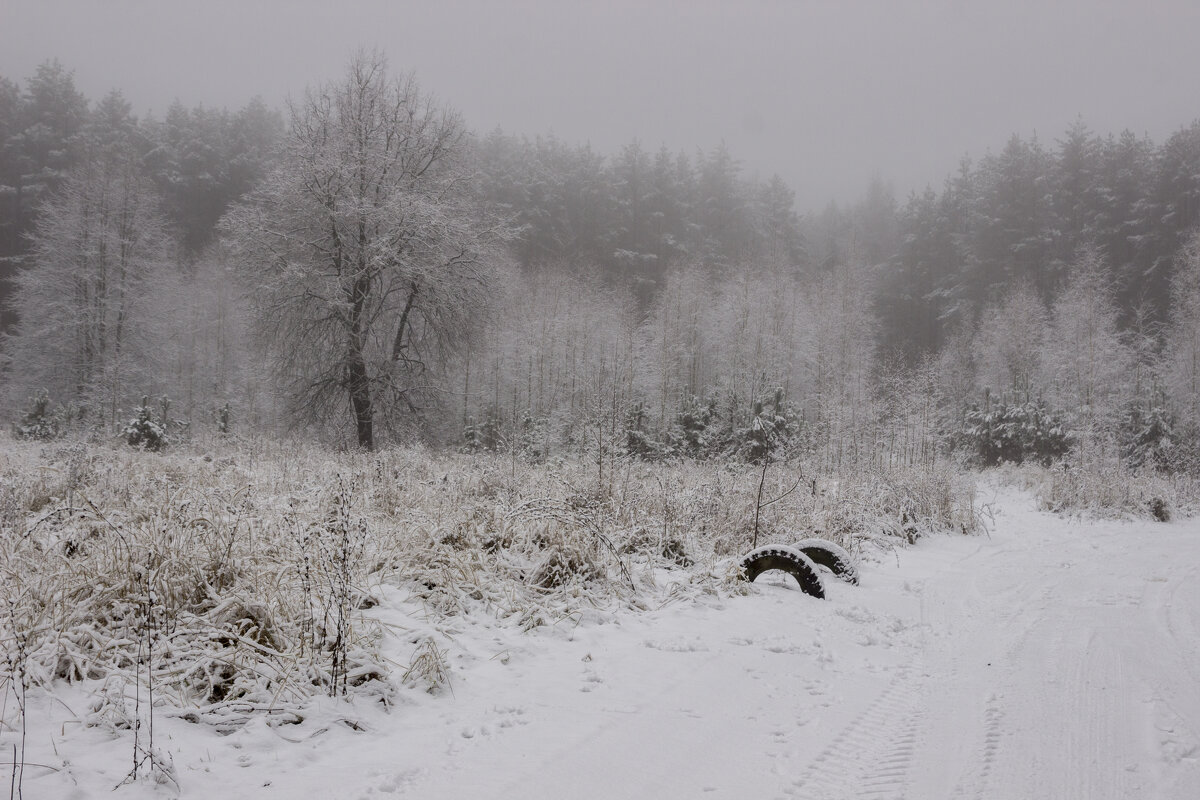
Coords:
pixel 702 429
pixel 1103 485
pixel 143 432
pixel 1147 437
pixel 39 422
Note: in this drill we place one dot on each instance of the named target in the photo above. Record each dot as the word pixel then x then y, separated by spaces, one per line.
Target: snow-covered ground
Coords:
pixel 1053 658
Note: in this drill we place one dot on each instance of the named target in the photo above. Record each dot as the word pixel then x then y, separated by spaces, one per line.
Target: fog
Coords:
pixel 828 94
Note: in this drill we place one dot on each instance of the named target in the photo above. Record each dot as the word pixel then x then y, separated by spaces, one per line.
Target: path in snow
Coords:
pixel 1054 659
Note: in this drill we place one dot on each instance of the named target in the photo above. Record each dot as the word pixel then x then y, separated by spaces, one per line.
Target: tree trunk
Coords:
pixel 359 386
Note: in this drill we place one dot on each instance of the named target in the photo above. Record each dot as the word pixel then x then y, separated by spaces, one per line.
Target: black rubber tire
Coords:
pixel 788 559
pixel 828 554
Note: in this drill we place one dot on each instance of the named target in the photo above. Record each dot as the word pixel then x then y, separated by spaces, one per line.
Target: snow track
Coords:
pixel 1056 660
pixel 871 757
pixel 1052 659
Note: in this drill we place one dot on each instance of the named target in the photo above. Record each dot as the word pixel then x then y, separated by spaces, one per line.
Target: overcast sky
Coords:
pixel 827 92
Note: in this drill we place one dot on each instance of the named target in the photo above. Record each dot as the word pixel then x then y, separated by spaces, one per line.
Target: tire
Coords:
pixel 788 559
pixel 828 554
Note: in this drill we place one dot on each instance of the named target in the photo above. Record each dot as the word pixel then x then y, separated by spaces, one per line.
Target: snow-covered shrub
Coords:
pixel 657 545
pixel 564 563
pixel 1184 455
pixel 639 441
pixel 223 416
pixel 772 429
pixel 1014 433
pixel 1107 487
pixel 428 669
pixel 533 438
pixel 484 435
pixel 689 434
pixel 568 539
pixel 40 422
pixel 143 432
pixel 328 561
pixel 712 429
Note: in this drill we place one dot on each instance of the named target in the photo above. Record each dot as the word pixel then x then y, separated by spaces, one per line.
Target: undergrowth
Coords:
pixel 1105 487
pixel 234 578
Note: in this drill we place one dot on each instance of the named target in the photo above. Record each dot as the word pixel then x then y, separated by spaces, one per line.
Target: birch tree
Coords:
pixel 88 333
pixel 1009 344
pixel 1086 361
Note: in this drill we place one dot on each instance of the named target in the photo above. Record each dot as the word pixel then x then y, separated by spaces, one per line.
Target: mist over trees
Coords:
pixel 372 271
pixel 199 160
pixel 1020 217
pixel 99 265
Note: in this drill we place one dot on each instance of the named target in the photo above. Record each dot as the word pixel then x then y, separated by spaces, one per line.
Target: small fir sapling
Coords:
pixel 143 432
pixel 40 422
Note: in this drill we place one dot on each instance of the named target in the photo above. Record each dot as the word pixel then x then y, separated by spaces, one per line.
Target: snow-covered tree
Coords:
pixel 836 341
pixel 365 257
pixel 88 330
pixel 1182 353
pixel 1086 360
pixel 1008 345
pixel 676 342
pixel 209 362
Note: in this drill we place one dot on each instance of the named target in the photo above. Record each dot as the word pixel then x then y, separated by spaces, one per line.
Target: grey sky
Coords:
pixel 825 93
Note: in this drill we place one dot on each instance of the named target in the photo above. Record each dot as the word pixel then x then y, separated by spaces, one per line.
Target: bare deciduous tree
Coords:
pixel 88 330
pixel 1009 343
pixel 367 260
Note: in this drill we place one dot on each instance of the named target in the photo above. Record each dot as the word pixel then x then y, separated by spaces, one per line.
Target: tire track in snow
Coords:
pixel 991 744
pixel 871 756
pixel 1076 711
pixel 1164 655
pixel 1180 618
pixel 1096 751
pixel 976 783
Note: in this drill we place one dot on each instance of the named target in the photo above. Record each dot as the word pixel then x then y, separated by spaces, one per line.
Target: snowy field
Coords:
pixel 1052 658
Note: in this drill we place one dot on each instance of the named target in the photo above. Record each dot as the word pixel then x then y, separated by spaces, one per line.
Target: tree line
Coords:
pixel 198 159
pixel 365 267
pixel 1019 217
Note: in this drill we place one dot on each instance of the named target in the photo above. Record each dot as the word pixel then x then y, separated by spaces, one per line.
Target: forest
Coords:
pixel 362 269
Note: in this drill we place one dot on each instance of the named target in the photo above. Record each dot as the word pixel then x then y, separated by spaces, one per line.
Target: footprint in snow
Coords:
pixel 510 717
pixel 693 645
pixel 400 781
pixel 591 680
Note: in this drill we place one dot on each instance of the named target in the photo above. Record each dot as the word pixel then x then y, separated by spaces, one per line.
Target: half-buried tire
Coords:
pixel 828 554
pixel 788 559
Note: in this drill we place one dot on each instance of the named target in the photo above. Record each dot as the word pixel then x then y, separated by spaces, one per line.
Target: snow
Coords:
pixel 1052 657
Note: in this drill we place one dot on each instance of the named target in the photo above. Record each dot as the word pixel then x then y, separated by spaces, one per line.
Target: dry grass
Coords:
pixel 239 577
pixel 1106 488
